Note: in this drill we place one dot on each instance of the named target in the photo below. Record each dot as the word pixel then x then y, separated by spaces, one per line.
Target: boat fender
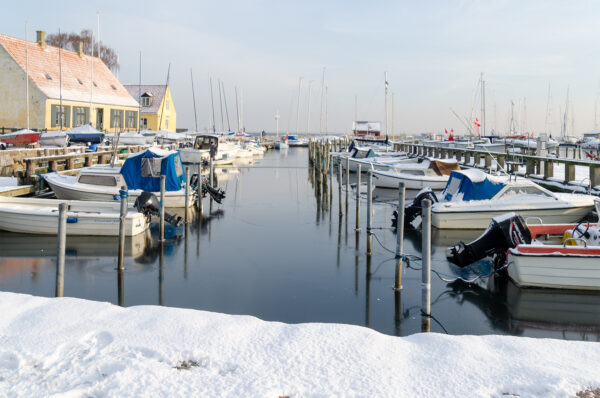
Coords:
pixel 71 220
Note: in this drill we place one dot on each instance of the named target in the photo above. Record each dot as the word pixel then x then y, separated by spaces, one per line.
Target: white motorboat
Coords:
pixel 128 138
pixel 430 173
pixel 224 152
pixel 472 198
pixel 255 148
pixel 294 141
pixel 40 216
pixel 281 144
pixel 564 256
pixel 54 138
pixel 141 172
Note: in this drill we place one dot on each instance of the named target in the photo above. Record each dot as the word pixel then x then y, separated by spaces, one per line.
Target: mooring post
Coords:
pixel 62 243
pixel 426 267
pixel 399 237
pixel 331 171
pixel 340 188
pixel 347 181
pixel 187 192
pixel 199 190
pixel 369 212
pixel 123 213
pixel 211 171
pixel 162 208
pixel 357 227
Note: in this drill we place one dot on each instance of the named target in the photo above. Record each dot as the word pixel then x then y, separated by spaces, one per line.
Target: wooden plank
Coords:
pixel 17 191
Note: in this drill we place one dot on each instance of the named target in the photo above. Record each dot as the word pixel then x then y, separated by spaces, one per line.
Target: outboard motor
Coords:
pixel 413 210
pixel 505 231
pixel 216 193
pixel 147 204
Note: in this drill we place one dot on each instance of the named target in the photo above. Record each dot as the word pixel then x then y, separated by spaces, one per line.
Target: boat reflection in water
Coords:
pixel 568 314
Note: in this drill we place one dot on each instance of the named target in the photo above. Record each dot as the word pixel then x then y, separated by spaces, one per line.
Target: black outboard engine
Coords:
pixel 505 231
pixel 413 210
pixel 148 205
pixel 216 193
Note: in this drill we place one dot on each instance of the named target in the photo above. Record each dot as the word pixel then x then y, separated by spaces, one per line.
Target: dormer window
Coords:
pixel 146 99
pixel 48 76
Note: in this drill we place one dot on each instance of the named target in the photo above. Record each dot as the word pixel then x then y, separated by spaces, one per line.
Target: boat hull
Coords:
pixel 555 269
pixel 40 216
pixel 390 181
pixel 20 140
pixel 477 219
pixel 64 188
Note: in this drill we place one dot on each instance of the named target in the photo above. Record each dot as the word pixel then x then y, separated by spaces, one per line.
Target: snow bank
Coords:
pixel 76 348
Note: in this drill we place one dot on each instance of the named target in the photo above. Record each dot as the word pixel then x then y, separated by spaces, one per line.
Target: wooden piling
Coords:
pixel 187 192
pixel 122 214
pixel 369 212
pixel 426 266
pixel 340 187
pixel 357 226
pixel 162 209
pixel 62 244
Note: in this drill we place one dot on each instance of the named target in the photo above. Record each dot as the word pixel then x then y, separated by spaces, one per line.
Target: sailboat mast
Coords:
pixel 237 109
pixel 226 108
pixel 139 96
pixel 298 105
pixel 566 115
pixel 27 74
pixel 386 103
pixel 308 109
pixel 162 108
pixel 221 105
pixel 392 114
pixel 212 105
pixel 194 99
pixel 277 123
pixel 482 104
pixel 321 110
pixel 326 127
pixel 62 115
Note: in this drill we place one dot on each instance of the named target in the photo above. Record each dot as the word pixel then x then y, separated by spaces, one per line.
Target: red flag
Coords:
pixel 532 134
pixel 452 130
pixel 446 131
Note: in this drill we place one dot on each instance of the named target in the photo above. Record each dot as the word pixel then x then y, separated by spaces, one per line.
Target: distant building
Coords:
pixel 361 129
pixel 96 97
pixel 158 110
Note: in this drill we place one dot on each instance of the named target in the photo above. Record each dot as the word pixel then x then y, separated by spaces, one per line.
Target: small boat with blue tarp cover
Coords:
pixel 140 172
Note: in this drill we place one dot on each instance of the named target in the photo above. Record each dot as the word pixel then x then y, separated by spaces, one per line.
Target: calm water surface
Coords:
pixel 277 249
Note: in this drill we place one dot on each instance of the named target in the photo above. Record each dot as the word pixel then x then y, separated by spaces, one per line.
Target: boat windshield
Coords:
pixel 524 190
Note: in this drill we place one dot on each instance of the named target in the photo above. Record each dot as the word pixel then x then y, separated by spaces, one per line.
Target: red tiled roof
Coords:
pixel 75 68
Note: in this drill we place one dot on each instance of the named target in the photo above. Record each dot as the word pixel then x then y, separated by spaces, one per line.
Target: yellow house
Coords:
pixel 158 111
pixel 66 89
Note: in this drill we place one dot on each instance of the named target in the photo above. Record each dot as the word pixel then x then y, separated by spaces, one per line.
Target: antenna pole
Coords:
pixel 194 99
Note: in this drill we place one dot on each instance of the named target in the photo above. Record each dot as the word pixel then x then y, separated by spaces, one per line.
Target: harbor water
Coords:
pixel 277 249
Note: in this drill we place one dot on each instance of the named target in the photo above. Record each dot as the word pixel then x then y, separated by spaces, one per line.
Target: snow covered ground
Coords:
pixel 78 348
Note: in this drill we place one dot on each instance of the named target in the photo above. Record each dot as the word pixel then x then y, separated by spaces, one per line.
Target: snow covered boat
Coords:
pixel 128 138
pixel 40 216
pixel 20 138
pixel 255 148
pixel 85 134
pixel 54 138
pixel 164 137
pixel 430 173
pixel 565 256
pixel 281 144
pixel 294 141
pixel 472 198
pixel 141 172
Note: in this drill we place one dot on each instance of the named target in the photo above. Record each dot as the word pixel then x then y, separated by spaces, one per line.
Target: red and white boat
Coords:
pixel 20 138
pixel 563 256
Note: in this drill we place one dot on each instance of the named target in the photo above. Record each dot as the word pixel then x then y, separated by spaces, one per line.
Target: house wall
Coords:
pixel 168 114
pixel 13 101
pixel 106 118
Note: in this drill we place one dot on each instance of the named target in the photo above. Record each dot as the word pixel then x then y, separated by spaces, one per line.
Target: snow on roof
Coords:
pixel 44 63
pixel 83 129
pixel 103 349
pixel 156 91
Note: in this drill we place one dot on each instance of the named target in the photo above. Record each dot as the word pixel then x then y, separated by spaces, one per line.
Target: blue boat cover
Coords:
pixel 85 134
pixel 471 185
pixel 142 170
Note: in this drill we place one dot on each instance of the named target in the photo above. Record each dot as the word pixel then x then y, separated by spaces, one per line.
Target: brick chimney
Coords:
pixel 41 38
pixel 80 48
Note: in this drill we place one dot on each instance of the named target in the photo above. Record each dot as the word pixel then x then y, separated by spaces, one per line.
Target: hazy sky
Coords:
pixel 433 52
